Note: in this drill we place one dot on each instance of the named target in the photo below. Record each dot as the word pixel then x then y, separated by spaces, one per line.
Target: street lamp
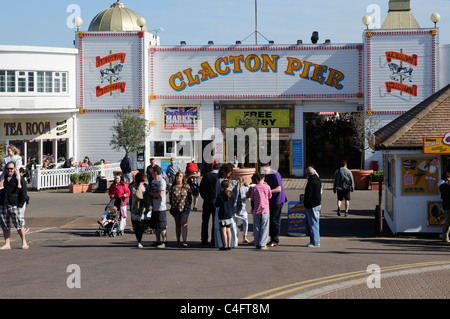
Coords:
pixel 141 22
pixel 435 17
pixel 367 20
pixel 78 22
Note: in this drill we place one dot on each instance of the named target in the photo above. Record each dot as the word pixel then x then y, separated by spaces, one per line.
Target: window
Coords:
pixel 30 81
pixel 33 82
pixel 21 82
pixel 11 81
pixel 2 81
pixel 40 82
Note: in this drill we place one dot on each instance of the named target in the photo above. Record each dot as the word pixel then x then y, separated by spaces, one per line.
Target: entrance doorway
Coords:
pixel 330 139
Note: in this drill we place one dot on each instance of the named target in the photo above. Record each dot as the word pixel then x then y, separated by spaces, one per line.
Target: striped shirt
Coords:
pixel 260 195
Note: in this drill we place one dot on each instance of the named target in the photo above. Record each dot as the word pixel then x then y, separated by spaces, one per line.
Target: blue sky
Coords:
pixel 45 23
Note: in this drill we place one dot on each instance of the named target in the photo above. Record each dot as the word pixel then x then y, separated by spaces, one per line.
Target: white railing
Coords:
pixel 60 177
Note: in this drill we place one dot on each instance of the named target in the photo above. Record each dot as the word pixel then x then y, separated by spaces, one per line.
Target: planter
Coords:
pixel 86 188
pixel 75 188
pixel 361 178
pixel 376 186
pixel 80 188
pixel 245 173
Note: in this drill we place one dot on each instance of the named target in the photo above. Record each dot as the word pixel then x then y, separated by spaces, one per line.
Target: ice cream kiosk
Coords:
pixel 416 150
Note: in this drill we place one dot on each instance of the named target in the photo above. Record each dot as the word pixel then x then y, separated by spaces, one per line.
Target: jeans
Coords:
pixel 275 222
pixel 313 215
pixel 127 176
pixel 260 229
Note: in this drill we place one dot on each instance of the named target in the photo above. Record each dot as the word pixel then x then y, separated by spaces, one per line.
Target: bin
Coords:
pixel 374 165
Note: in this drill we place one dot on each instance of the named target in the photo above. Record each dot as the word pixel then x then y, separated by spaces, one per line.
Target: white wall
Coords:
pixel 444 65
pixel 39 59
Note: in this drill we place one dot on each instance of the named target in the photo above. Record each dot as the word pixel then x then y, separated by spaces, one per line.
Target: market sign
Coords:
pixel 268 118
pixel 180 118
pixel 437 145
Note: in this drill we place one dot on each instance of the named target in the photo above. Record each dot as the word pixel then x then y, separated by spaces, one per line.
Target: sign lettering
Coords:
pixel 223 66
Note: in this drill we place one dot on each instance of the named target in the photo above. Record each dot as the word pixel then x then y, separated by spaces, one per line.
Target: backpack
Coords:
pixel 346 183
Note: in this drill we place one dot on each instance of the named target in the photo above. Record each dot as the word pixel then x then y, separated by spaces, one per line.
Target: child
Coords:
pixel 109 216
pixel 243 213
pixel 13 156
pixel 225 202
pixel 260 195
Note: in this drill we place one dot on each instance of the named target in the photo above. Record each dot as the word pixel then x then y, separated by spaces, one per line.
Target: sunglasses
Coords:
pixel 9 168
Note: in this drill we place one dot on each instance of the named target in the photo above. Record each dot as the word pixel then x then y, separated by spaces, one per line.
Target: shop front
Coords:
pixel 39 139
pixel 273 85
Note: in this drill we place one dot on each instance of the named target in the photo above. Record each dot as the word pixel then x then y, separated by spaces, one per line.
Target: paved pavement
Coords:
pixel 62 228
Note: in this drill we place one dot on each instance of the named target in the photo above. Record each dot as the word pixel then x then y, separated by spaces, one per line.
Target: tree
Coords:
pixel 129 131
pixel 363 127
pixel 247 122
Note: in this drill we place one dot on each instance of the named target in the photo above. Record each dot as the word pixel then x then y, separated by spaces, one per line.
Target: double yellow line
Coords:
pixel 291 288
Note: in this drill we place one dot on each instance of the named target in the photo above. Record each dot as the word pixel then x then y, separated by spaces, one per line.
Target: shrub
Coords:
pixel 85 178
pixel 75 178
pixel 376 176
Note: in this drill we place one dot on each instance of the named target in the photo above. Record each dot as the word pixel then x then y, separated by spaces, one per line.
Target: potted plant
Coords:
pixel 75 186
pixel 80 183
pixel 85 179
pixel 375 178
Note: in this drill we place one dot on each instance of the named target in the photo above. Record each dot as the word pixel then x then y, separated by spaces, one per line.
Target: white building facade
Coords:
pixel 67 99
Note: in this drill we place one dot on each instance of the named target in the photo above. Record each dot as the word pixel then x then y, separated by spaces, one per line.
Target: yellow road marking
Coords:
pixel 284 290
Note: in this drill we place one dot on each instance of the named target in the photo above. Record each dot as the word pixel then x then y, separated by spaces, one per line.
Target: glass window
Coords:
pixel 159 149
pixel 21 82
pixel 11 81
pixel 64 82
pixel 30 81
pixel 40 82
pixel 48 82
pixel 2 81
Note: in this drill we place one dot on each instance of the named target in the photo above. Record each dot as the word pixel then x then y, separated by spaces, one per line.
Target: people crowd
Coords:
pixel 224 202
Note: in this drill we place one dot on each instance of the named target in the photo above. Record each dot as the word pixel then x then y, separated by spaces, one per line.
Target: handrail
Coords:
pixel 60 177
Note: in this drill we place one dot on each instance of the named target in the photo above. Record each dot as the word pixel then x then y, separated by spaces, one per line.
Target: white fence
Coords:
pixel 60 177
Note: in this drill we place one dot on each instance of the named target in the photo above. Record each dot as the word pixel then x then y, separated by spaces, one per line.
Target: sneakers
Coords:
pixel 161 245
pixel 312 245
pixel 264 248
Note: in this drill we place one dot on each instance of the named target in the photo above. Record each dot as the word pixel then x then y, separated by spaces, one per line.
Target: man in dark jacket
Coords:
pixel 312 202
pixel 208 193
pixel 12 200
pixel 444 189
pixel 125 166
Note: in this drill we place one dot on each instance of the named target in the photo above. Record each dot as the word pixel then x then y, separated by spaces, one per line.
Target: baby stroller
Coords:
pixel 110 223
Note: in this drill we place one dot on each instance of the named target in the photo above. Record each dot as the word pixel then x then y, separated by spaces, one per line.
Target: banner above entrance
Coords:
pixel 257 72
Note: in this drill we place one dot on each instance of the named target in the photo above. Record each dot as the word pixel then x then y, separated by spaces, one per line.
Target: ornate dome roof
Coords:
pixel 116 18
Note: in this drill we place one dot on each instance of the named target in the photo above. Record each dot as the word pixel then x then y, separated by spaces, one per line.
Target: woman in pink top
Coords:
pixel 260 195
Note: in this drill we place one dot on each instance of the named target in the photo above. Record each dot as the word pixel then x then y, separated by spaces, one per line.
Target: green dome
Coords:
pixel 116 18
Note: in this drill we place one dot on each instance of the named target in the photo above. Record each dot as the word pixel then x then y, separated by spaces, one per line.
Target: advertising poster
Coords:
pixel 435 214
pixel 296 221
pixel 183 118
pixel 420 176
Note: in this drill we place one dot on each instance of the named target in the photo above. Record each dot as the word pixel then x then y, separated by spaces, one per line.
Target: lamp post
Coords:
pixel 435 17
pixel 367 20
pixel 141 22
pixel 78 22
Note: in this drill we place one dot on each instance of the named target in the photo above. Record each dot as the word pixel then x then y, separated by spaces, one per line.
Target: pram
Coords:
pixel 110 223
